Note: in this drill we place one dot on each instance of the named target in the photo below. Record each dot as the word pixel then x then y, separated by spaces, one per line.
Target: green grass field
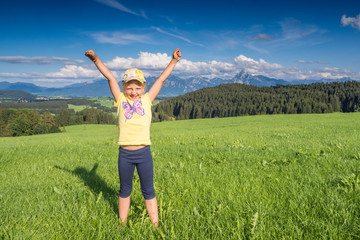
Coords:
pixel 104 101
pixel 256 177
pixel 77 108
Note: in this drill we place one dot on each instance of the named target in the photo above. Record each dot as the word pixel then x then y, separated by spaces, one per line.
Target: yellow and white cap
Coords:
pixel 133 74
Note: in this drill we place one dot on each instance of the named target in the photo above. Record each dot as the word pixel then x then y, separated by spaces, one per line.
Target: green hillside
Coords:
pixel 12 95
pixel 231 100
pixel 254 177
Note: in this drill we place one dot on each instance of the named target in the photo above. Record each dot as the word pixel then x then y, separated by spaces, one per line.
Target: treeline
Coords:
pixel 67 117
pixel 24 122
pixel 55 106
pixel 16 95
pixel 229 100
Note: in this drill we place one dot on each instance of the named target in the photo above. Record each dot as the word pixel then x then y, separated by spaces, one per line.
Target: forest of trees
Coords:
pixel 21 114
pixel 68 117
pixel 55 106
pixel 229 100
pixel 24 122
pixel 16 95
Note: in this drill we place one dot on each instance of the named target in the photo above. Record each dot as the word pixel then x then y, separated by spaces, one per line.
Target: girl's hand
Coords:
pixel 177 54
pixel 91 55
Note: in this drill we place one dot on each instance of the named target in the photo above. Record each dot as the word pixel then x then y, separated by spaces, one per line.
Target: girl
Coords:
pixel 134 112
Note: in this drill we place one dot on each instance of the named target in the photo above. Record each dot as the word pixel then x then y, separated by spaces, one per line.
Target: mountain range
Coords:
pixel 173 86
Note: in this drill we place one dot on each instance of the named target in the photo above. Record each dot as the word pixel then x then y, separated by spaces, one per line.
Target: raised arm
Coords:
pixel 156 87
pixel 113 84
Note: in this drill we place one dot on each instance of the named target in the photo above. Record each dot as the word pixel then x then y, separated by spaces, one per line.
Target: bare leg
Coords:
pixel 152 209
pixel 124 204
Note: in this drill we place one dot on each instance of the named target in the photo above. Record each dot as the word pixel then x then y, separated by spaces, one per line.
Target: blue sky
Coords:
pixel 43 42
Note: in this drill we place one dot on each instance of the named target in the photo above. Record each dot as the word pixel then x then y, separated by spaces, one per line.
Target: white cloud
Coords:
pixel 126 38
pixel 69 71
pixel 276 70
pixel 262 37
pixel 57 82
pixel 260 67
pixel 293 34
pixel 310 62
pixel 352 21
pixel 152 64
pixel 17 75
pixel 117 5
pixel 206 69
pixel 169 19
pixel 67 75
pixel 120 38
pixel 177 36
pixel 145 60
pixel 293 29
pixel 243 59
pixel 39 60
pixel 73 71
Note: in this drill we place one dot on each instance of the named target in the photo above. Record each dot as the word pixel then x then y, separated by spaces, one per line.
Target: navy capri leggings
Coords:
pixel 143 161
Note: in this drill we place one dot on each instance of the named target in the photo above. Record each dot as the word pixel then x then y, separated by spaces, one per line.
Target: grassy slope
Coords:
pixel 77 108
pixel 104 101
pixel 269 177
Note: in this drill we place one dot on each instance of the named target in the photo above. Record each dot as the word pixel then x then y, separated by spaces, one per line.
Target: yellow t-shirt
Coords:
pixel 134 120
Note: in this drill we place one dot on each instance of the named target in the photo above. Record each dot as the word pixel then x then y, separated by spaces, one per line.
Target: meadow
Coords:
pixel 77 108
pixel 253 177
pixel 104 101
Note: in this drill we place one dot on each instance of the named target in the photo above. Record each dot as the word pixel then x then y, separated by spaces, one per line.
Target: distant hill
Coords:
pixel 14 95
pixel 20 86
pixel 173 86
pixel 235 99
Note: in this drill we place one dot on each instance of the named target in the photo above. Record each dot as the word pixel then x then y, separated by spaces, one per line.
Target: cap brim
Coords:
pixel 128 80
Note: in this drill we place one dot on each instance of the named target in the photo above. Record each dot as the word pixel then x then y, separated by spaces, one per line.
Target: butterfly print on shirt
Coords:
pixel 136 107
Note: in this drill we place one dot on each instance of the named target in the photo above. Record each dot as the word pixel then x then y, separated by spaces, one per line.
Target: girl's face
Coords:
pixel 133 89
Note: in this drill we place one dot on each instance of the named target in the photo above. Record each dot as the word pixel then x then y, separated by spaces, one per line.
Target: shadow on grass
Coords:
pixel 96 184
